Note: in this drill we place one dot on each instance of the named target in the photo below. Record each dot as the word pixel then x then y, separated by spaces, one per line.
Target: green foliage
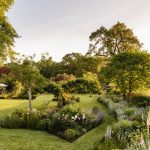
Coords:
pixel 82 86
pixel 63 77
pixel 140 100
pixel 12 122
pixel 91 77
pixel 7 34
pixel 112 41
pixel 70 134
pixel 122 129
pixel 23 138
pixel 5 6
pixel 54 88
pixel 129 71
pixel 44 65
pixel 66 99
pixel 109 145
pixel 139 140
pixel 77 64
pixel 28 74
pixel 119 134
pixel 55 122
pixel 122 110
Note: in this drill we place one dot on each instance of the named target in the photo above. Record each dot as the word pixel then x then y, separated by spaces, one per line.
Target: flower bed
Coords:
pixel 68 123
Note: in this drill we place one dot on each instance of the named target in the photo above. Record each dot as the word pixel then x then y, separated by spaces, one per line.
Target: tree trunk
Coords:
pixel 30 99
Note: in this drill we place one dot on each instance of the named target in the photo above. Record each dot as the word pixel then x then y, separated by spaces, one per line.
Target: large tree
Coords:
pixel 109 42
pixel 45 65
pixel 129 71
pixel 7 32
pixel 78 64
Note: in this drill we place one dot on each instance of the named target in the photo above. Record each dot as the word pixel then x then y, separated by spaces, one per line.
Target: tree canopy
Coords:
pixel 109 42
pixel 4 6
pixel 7 32
pixel 129 71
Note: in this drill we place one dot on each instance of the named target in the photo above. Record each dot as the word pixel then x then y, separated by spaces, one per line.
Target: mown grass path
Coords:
pixel 22 139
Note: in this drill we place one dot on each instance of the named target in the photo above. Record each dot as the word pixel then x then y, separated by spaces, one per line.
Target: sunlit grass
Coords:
pixel 147 92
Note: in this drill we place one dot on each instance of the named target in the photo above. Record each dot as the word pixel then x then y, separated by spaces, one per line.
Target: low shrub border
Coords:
pixel 66 122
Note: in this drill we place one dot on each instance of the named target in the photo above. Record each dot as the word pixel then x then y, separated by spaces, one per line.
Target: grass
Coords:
pixel 22 139
pixel 147 92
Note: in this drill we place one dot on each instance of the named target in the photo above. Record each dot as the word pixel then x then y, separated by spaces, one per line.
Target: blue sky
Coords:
pixel 63 26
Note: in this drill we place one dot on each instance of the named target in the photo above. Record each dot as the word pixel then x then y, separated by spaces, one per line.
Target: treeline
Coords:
pixel 114 62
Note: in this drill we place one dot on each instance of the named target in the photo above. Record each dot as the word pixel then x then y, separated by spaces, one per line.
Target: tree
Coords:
pixel 4 6
pixel 109 42
pixel 63 77
pixel 7 32
pixel 78 64
pixel 129 71
pixel 29 75
pixel 45 65
pixel 91 77
pixel 71 63
pixel 82 86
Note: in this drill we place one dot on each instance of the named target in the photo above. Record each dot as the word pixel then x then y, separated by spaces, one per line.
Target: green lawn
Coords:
pixel 22 139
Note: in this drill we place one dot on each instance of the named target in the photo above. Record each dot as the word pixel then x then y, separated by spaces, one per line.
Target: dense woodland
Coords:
pixel 115 69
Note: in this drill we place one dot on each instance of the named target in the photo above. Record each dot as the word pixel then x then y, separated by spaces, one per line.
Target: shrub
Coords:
pixel 22 119
pixel 129 112
pixel 66 99
pixel 60 104
pixel 139 140
pixel 63 77
pixel 70 134
pixel 54 89
pixel 140 100
pixel 122 129
pixel 12 122
pixel 82 86
pixel 43 124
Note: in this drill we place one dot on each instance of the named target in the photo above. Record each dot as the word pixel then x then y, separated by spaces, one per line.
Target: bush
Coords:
pixel 54 89
pixel 82 86
pixel 122 129
pixel 66 99
pixel 129 112
pixel 70 134
pixel 63 77
pixel 22 119
pixel 12 122
pixel 140 100
pixel 139 140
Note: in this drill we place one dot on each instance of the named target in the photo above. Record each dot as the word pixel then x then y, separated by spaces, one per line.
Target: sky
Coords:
pixel 63 26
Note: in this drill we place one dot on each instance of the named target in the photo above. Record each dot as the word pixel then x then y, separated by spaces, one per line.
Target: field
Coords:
pixel 22 139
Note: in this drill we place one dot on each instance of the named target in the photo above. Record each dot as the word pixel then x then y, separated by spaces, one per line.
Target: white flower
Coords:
pixel 83 117
pixel 76 116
